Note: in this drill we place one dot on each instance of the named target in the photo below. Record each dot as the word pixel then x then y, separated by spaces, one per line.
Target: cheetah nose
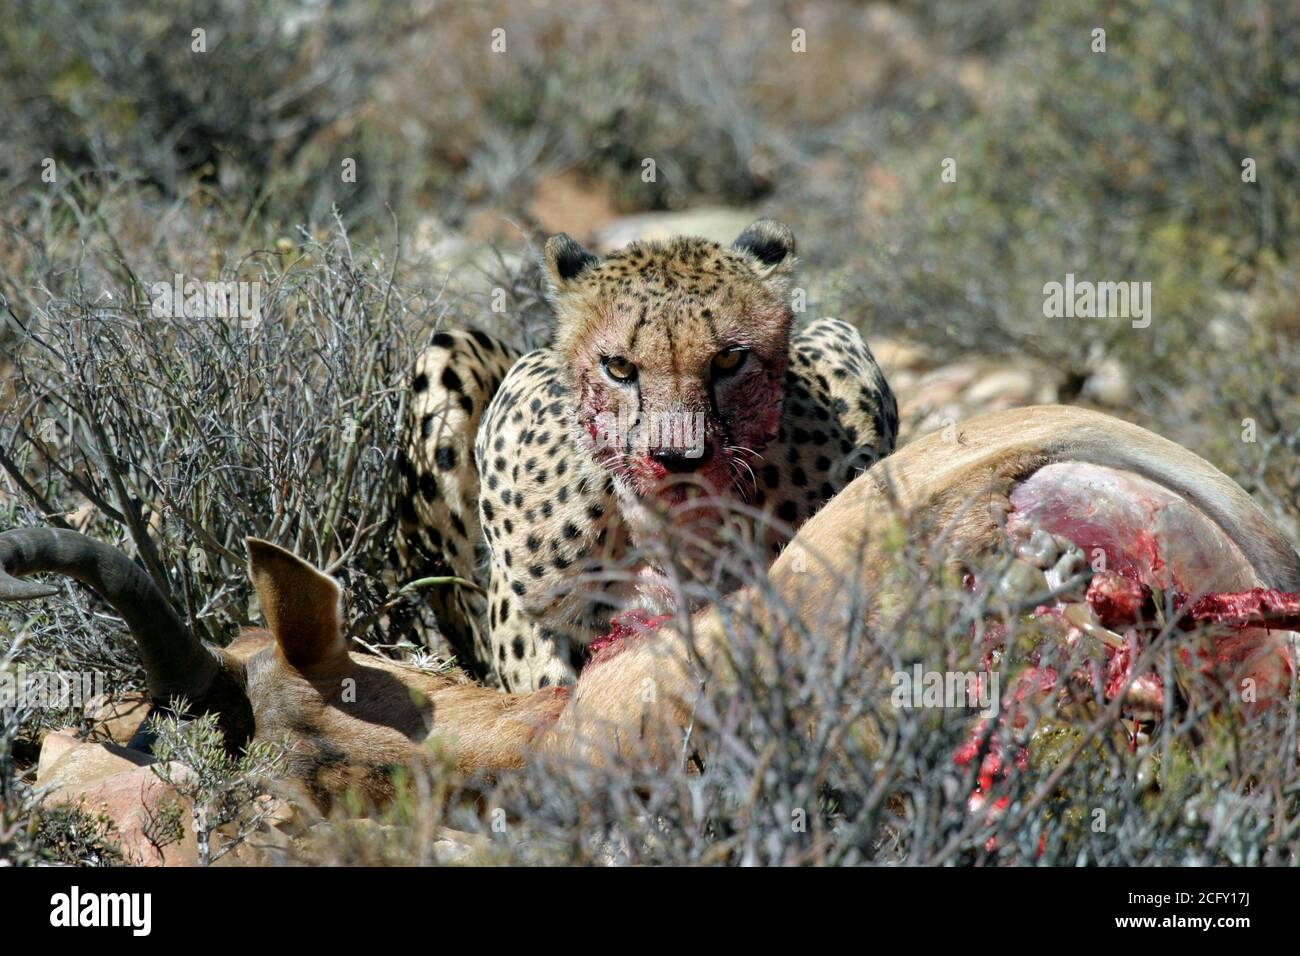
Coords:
pixel 677 461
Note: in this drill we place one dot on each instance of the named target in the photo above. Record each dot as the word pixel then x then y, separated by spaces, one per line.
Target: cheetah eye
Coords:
pixel 729 360
pixel 619 369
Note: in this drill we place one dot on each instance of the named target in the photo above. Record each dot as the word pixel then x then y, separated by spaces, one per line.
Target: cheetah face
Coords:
pixel 677 352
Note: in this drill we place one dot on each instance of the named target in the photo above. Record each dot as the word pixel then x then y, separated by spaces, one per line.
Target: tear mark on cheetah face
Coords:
pixel 676 354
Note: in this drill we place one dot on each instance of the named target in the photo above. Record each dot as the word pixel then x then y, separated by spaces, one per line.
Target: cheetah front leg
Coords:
pixel 551 525
pixel 454 380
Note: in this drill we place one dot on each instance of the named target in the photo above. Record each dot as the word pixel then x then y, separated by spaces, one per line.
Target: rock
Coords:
pixel 941 386
pixel 134 799
pixel 1110 384
pixel 470 267
pixel 433 241
pixel 492 224
pixel 895 355
pixel 54 745
pixel 68 762
pixel 568 202
pixel 105 778
pixel 959 391
pixel 456 846
pixel 117 718
pixel 719 223
pixel 1003 388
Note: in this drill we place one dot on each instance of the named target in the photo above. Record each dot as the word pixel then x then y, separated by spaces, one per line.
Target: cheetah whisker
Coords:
pixel 734 462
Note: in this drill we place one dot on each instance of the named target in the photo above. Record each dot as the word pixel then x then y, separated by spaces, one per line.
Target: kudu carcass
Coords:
pixel 1049 480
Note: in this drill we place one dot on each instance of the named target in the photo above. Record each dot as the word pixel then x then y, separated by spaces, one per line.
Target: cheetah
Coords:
pixel 672 391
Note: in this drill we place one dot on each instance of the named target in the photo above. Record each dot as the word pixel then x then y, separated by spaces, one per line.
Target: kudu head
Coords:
pixel 350 718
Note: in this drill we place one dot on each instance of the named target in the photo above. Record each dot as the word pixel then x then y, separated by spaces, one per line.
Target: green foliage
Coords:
pixel 225 792
pixel 135 89
pixel 70 835
pixel 1123 165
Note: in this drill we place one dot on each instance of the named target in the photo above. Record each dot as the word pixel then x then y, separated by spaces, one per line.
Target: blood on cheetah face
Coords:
pixel 676 353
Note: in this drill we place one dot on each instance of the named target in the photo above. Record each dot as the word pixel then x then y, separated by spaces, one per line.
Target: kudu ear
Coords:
pixel 301 605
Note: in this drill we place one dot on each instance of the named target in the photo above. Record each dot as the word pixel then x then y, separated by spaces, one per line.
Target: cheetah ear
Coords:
pixel 769 245
pixel 301 605
pixel 566 261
